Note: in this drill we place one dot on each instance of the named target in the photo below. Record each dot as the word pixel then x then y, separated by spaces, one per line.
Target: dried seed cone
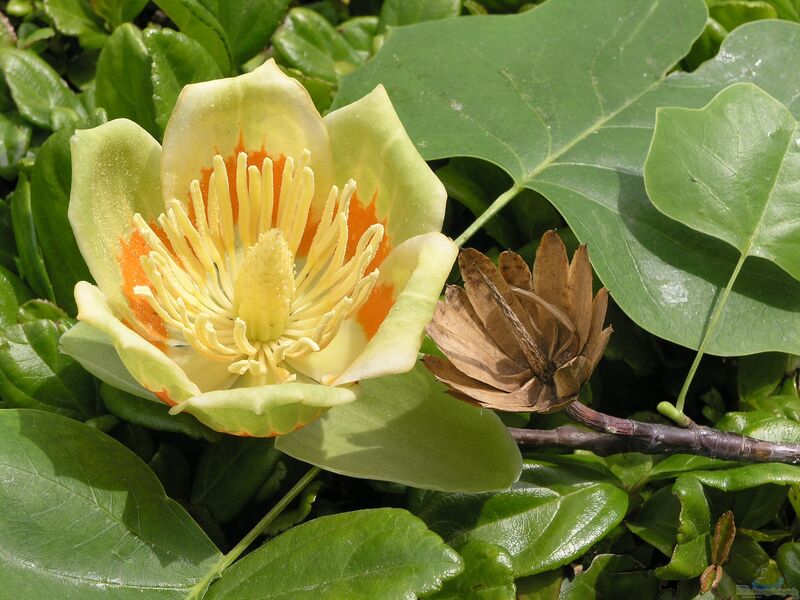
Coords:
pixel 517 341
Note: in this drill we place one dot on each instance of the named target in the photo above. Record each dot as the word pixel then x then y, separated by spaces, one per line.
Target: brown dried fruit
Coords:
pixel 516 341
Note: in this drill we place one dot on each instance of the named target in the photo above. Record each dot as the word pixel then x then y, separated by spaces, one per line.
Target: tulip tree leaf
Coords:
pixel 177 61
pixel 729 170
pixel 552 515
pixel 95 519
pixel 36 88
pixel 122 83
pixel 382 553
pixel 573 121
pixel 404 428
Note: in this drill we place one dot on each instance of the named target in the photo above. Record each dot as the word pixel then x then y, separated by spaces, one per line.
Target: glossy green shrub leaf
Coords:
pixel 248 24
pixel 728 170
pixel 12 294
pixel 788 557
pixel 231 472
pixel 488 575
pixel 34 374
pixel 611 576
pixel 95 519
pixel 395 13
pixel 552 515
pixel 76 17
pixel 383 553
pixel 748 561
pixel 95 352
pixel 117 12
pixel 762 426
pixel 573 120
pixel 693 548
pixel 153 414
pixel 122 84
pixel 309 43
pixel 759 375
pixel 177 61
pixel 30 262
pixel 656 521
pixel 196 21
pixel 15 138
pixel 51 180
pixel 404 428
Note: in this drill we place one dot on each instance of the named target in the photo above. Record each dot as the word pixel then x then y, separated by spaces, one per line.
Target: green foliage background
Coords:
pixel 615 122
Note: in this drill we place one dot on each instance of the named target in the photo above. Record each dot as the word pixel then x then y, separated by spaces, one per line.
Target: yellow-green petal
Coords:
pixel 264 411
pixel 115 173
pixel 385 336
pixel 262 113
pixel 148 365
pixel 394 183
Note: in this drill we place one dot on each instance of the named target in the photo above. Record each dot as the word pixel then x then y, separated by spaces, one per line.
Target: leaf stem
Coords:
pixel 712 326
pixel 493 209
pixel 199 589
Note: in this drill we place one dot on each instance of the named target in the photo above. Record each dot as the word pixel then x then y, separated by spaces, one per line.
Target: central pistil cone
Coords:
pixel 240 282
pixel 265 287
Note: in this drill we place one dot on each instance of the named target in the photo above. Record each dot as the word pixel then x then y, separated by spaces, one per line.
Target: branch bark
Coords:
pixel 612 435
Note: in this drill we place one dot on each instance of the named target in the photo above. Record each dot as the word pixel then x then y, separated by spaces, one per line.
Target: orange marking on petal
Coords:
pixel 359 219
pixel 376 309
pixel 131 251
pixel 164 397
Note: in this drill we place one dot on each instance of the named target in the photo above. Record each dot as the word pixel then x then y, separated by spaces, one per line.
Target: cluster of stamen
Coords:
pixel 237 289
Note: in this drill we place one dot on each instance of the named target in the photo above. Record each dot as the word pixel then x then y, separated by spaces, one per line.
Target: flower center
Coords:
pixel 235 286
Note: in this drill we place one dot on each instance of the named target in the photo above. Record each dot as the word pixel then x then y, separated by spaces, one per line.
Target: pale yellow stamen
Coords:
pixel 236 291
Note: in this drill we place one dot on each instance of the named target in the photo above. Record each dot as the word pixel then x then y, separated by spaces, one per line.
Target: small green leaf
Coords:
pixel 248 24
pixel 760 374
pixel 748 561
pixel 788 557
pixel 123 81
pixel 692 550
pixel 30 263
pixel 195 20
pixel 656 522
pixel 76 17
pixel 762 426
pixel 488 575
pixel 383 553
pixel 404 428
pixel 36 88
pixel 611 576
pixel 732 13
pixel 177 61
pixel 542 586
pixel 15 137
pixel 117 12
pixel 95 352
pixel 551 516
pixel 12 293
pixel 395 13
pixel 230 473
pixel 153 414
pixel 360 32
pixel 172 469
pixel 34 374
pixel 36 309
pixel 289 518
pixel 95 519
pixel 728 169
pixel 308 42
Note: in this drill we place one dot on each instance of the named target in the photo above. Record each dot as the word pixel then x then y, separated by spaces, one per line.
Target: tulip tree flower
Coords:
pixel 265 259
